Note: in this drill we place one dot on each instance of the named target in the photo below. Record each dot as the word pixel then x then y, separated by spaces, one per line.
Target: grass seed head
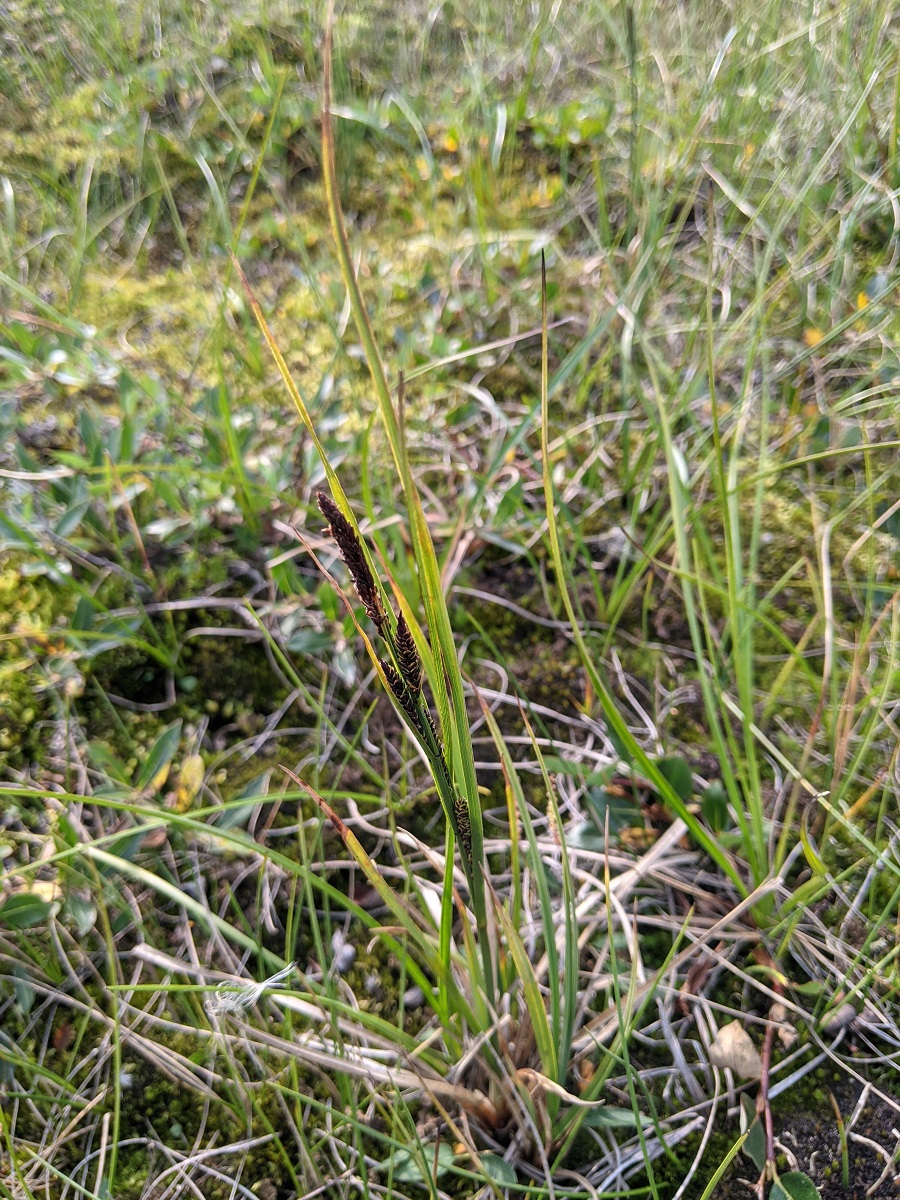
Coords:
pixel 408 657
pixel 405 698
pixel 464 826
pixel 354 559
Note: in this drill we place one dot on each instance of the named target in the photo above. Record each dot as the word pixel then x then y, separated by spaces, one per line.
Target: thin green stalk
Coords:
pixel 740 616
pixel 564 1007
pixel 107 1184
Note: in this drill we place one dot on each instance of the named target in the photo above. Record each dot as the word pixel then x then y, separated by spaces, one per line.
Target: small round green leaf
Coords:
pixel 678 773
pixel 794 1185
pixel 611 1117
pixel 498 1169
pixel 755 1145
pixel 714 806
pixel 619 811
pixel 82 912
pixel 410 1167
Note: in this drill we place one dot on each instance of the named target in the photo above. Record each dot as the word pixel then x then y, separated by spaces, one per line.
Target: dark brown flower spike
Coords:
pixel 404 697
pixel 464 827
pixel 408 657
pixel 354 559
pixel 405 678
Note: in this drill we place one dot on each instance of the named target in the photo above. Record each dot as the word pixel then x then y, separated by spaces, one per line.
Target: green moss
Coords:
pixel 29 656
pixel 168 315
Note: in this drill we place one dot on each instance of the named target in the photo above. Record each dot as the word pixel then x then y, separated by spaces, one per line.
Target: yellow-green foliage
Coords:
pixel 166 315
pixel 27 610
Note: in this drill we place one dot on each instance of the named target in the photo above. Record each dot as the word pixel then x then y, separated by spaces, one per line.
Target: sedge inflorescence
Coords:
pixel 402 668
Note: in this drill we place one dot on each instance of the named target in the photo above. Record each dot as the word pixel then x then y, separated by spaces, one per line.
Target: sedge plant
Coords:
pixel 510 1019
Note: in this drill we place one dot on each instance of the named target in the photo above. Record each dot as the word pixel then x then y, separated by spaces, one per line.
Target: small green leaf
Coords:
pixel 813 987
pixel 24 910
pixel 83 617
pixel 309 641
pixel 590 775
pixel 620 746
pixel 88 430
pixel 24 991
pixel 499 1170
pixel 794 1185
pixel 231 818
pixel 104 760
pixel 127 845
pixel 891 523
pixel 611 1117
pixel 714 806
pixel 877 285
pixel 755 1145
pixel 809 852
pixel 623 812
pixel 82 912
pixel 678 773
pixel 586 836
pixel 417 1167
pixel 67 830
pixel 72 518
pixel 328 602
pixel 156 766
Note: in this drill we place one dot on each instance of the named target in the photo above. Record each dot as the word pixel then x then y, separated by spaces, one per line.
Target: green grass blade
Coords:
pixel 611 712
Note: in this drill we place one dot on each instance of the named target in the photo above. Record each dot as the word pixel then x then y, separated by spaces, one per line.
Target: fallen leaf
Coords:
pixel 733 1050
pixel 62 1037
pixel 838 1019
pixel 48 890
pixel 787 1034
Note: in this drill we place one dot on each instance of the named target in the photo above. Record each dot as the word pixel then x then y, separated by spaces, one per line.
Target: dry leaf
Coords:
pixel 733 1049
pixel 838 1019
pixel 63 1036
pixel 46 889
pixel 155 838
